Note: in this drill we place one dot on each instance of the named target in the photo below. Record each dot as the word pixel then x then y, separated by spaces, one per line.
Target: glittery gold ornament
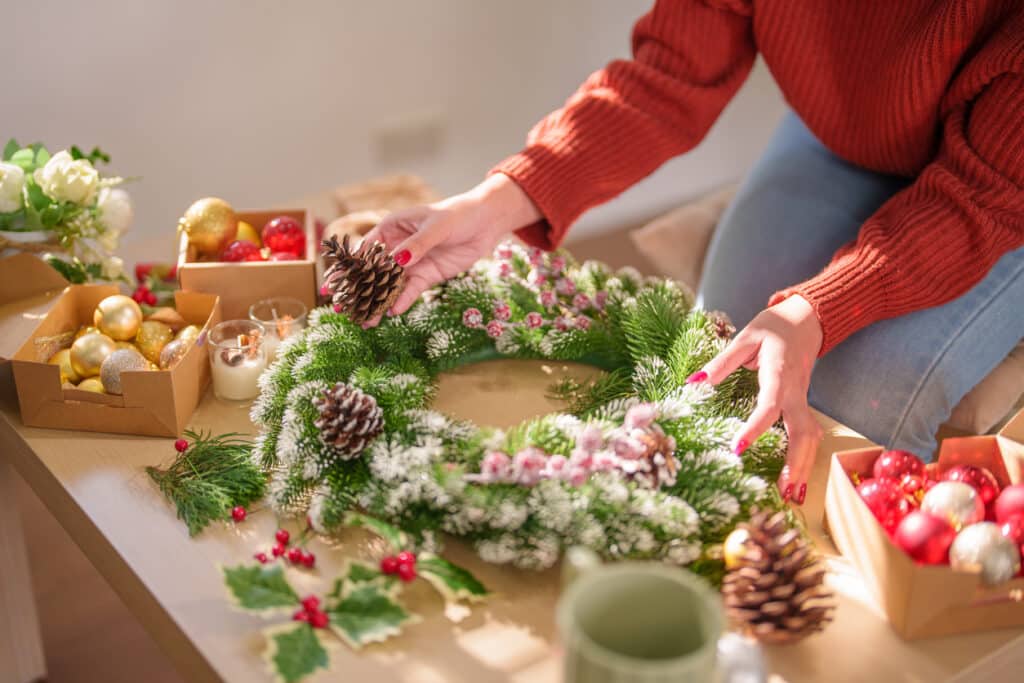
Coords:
pixel 210 224
pixel 248 233
pixel 67 371
pixel 152 339
pixel 173 352
pixel 84 330
pixel 92 384
pixel 126 345
pixel 120 361
pixel 189 333
pixel 89 351
pixel 734 547
pixel 118 317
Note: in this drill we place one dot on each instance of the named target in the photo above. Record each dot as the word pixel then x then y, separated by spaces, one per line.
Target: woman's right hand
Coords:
pixel 436 242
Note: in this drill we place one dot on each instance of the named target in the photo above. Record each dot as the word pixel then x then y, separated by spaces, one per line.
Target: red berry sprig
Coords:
pixel 239 513
pixel 403 565
pixel 181 445
pixel 282 536
pixel 311 613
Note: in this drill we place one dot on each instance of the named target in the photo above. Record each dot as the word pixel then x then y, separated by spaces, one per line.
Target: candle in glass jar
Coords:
pixel 281 317
pixel 237 359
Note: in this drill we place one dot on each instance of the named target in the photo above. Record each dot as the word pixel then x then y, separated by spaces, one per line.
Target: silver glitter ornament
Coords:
pixel 120 361
pixel 982 548
pixel 955 502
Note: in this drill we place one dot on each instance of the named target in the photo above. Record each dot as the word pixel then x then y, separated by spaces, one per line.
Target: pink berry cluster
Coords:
pixel 473 318
pixel 311 613
pixel 402 565
pixel 297 556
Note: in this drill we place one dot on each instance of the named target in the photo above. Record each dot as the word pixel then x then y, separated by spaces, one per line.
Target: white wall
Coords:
pixel 260 101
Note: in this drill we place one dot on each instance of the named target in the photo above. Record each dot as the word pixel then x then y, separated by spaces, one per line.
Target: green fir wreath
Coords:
pixel 638 465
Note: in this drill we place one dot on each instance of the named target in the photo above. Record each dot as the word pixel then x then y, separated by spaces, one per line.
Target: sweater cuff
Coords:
pixel 539 172
pixel 847 296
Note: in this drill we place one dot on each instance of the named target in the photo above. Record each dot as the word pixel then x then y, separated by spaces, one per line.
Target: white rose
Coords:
pixel 113 268
pixel 68 180
pixel 115 210
pixel 12 180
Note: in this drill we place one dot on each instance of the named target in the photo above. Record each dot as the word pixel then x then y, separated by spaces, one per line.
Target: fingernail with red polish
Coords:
pixel 741 446
pixel 788 493
pixel 801 494
pixel 697 377
pixel 403 257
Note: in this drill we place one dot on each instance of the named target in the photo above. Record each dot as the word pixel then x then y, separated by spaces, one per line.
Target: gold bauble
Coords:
pixel 735 547
pixel 92 384
pixel 89 351
pixel 189 333
pixel 173 352
pixel 84 330
pixel 152 338
pixel 247 233
pixel 67 371
pixel 126 345
pixel 118 317
pixel 116 363
pixel 211 224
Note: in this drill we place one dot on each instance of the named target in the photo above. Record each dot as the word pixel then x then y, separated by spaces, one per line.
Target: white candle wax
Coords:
pixel 237 382
pixel 270 344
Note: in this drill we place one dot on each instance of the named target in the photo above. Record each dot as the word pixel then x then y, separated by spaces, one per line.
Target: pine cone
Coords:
pixel 776 591
pixel 658 466
pixel 362 282
pixel 349 419
pixel 724 329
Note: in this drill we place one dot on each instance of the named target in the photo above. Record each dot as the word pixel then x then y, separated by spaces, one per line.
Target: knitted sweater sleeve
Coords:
pixel 939 237
pixel 689 59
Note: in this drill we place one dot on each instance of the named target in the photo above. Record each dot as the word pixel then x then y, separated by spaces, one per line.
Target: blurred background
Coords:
pixel 261 102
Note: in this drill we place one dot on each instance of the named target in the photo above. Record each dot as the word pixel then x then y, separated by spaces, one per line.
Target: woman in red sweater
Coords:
pixel 884 227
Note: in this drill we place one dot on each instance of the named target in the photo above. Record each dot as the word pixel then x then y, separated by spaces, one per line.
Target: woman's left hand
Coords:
pixel 781 344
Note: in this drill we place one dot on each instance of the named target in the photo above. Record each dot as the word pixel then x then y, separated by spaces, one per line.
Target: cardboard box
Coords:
pixel 154 402
pixel 240 285
pixel 924 601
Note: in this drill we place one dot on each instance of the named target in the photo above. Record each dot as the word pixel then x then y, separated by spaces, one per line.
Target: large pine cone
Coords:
pixel 349 419
pixel 776 591
pixel 362 282
pixel 658 465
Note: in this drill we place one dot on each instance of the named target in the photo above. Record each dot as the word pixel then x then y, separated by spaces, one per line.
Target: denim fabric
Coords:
pixel 897 380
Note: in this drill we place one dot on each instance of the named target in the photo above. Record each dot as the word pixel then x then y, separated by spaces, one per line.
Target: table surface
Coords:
pixel 94 484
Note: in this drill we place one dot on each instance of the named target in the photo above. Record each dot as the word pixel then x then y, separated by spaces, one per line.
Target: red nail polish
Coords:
pixel 403 257
pixel 741 446
pixel 801 494
pixel 788 493
pixel 697 377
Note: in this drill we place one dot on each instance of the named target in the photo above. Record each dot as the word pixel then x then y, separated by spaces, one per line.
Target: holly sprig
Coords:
pixel 363 605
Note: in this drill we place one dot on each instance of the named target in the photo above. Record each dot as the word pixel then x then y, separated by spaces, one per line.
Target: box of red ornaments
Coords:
pixel 938 544
pixel 263 260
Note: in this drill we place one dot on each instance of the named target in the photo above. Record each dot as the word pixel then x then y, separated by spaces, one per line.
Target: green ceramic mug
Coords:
pixel 637 622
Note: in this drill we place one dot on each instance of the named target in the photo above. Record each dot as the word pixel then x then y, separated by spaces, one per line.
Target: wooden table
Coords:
pixel 95 486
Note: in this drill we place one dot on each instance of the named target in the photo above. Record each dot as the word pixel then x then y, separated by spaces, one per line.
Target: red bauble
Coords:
pixel 1013 529
pixel 284 233
pixel 283 256
pixel 979 478
pixel 896 464
pixel 914 486
pixel 241 250
pixel 885 499
pixel 924 537
pixel 1009 503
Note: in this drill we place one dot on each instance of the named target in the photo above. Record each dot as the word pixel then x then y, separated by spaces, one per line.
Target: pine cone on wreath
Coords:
pixel 774 587
pixel 349 419
pixel 362 282
pixel 724 329
pixel 658 465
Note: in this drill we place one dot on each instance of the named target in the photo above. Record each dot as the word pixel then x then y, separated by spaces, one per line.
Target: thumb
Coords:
pixel 417 245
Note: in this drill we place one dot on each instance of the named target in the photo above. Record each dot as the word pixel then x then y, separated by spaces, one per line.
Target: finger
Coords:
pixel 430 234
pixel 372 322
pixel 804 437
pixel 415 284
pixel 737 353
pixel 767 410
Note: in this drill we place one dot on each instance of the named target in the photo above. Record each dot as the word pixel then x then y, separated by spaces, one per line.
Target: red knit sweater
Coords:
pixel 930 89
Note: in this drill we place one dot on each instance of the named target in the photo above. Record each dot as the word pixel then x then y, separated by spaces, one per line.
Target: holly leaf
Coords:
pixel 10 148
pixel 451 581
pixel 74 273
pixel 259 588
pixel 392 535
pixel 368 613
pixel 356 573
pixel 294 652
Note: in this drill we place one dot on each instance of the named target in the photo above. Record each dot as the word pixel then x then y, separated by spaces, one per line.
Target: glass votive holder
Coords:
pixel 237 359
pixel 281 317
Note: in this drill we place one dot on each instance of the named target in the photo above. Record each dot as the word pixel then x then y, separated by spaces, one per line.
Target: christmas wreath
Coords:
pixel 638 465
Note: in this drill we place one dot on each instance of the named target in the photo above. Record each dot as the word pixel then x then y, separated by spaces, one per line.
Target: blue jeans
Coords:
pixel 895 381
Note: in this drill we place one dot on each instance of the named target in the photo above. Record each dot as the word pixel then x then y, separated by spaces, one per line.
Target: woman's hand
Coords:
pixel 438 241
pixel 781 344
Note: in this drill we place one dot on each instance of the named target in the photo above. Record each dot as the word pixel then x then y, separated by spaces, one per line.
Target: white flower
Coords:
pixel 115 210
pixel 113 268
pixel 68 180
pixel 12 181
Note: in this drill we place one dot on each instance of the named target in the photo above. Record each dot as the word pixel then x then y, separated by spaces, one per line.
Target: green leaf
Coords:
pixel 24 158
pixel 369 613
pixel 42 156
pixel 392 535
pixel 37 199
pixel 51 216
pixel 259 588
pixel 356 573
pixel 10 148
pixel 72 272
pixel 451 581
pixel 294 652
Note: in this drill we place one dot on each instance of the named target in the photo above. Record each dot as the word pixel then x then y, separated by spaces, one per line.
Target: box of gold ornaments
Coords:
pixel 96 363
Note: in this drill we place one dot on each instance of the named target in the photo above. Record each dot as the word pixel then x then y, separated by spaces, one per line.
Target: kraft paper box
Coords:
pixel 154 402
pixel 240 285
pixel 924 601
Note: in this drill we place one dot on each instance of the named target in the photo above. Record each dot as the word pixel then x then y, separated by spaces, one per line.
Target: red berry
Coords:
pixel 238 513
pixel 300 615
pixel 282 536
pixel 325 290
pixel 295 555
pixel 181 445
pixel 278 550
pixel 150 298
pixel 172 274
pixel 311 603
pixel 407 572
pixel 240 250
pixel 138 298
pixel 389 565
pixel 308 560
pixel 318 619
pixel 283 256
pixel 261 558
pixel 406 557
pixel 284 233
pixel 142 270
